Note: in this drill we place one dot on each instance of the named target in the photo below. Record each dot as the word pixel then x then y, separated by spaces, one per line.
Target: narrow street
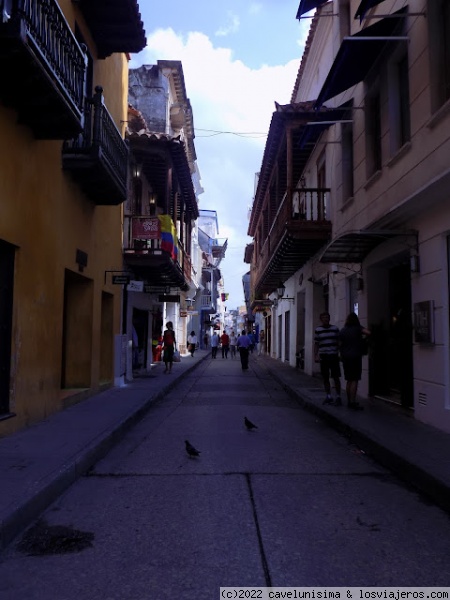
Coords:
pixel 290 503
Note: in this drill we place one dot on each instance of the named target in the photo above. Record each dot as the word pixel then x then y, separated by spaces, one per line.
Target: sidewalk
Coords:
pixel 40 463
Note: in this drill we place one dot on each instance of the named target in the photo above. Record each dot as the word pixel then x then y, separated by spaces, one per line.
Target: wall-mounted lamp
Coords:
pixel 151 198
pixel 415 263
pixel 280 292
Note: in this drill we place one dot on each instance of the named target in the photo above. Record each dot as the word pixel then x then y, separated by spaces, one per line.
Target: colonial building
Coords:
pixel 161 209
pixel 351 211
pixel 211 296
pixel 63 165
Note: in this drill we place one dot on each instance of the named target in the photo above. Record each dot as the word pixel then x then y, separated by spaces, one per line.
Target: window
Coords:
pixel 399 104
pixel 438 16
pixel 347 161
pixel 321 193
pixel 373 131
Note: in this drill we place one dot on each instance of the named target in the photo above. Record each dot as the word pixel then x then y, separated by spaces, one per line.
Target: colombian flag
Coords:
pixel 169 241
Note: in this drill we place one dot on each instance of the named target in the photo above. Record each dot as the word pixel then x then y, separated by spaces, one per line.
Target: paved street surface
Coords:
pixel 291 503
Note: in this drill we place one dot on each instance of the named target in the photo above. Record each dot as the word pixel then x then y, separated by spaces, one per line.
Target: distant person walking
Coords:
pixel 351 345
pixel 214 344
pixel 225 343
pixel 168 346
pixel 243 344
pixel 262 342
pixel 326 352
pixel 192 342
pixel 206 340
pixel 233 340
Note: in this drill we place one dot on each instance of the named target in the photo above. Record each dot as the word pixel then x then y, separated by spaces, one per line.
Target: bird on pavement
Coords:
pixel 249 424
pixel 191 450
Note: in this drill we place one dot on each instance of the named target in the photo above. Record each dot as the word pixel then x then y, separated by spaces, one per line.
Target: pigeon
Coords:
pixel 191 450
pixel 249 424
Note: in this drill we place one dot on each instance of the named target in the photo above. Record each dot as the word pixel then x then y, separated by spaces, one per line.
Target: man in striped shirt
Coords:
pixel 326 351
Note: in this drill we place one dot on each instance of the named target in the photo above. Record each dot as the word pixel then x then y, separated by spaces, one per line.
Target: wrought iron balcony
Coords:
pixel 98 157
pixel 292 240
pixel 152 251
pixel 43 68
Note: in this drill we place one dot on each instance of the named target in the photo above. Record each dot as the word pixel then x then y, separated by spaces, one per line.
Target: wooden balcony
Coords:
pixel 152 256
pixel 43 68
pixel 292 240
pixel 98 158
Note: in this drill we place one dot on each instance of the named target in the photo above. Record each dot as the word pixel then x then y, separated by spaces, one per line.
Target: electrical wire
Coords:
pixel 249 134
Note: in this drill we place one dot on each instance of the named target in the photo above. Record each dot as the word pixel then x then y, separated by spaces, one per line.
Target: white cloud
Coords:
pixel 255 8
pixel 232 27
pixel 226 95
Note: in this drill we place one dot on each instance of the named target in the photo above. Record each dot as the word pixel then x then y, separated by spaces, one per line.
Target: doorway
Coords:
pixel 140 323
pixel 391 356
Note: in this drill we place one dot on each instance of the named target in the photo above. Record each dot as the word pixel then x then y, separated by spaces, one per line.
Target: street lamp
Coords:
pixel 280 292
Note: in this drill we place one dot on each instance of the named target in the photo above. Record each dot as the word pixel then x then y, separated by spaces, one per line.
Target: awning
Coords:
pixel 358 53
pixel 364 7
pixel 354 246
pixel 307 5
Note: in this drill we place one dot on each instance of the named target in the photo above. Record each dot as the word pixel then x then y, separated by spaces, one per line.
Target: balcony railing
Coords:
pixel 43 68
pixel 98 157
pixel 158 255
pixel 293 238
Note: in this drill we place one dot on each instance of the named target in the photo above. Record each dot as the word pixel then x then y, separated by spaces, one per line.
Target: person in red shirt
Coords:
pixel 225 341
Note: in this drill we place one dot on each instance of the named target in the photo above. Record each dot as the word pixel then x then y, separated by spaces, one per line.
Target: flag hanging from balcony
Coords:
pixel 169 241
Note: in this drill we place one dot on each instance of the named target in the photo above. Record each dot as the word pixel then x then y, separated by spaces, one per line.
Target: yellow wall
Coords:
pixel 46 216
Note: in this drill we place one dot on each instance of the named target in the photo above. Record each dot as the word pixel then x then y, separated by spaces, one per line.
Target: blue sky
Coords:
pixel 238 59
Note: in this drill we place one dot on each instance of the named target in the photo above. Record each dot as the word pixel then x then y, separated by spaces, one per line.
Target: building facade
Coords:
pixel 63 164
pixel 160 239
pixel 366 158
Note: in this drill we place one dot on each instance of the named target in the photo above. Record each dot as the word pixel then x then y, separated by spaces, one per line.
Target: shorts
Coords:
pixel 352 368
pixel 329 366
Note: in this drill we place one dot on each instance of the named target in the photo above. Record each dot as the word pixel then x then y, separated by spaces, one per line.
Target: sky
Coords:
pixel 238 58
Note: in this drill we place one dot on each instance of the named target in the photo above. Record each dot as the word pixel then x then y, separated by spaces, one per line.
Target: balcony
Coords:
pixel 115 25
pixel 98 158
pixel 152 251
pixel 43 68
pixel 291 242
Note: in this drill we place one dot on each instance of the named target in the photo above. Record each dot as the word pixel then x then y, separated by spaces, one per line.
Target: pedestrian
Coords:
pixel 214 344
pixel 233 340
pixel 192 342
pixel 262 342
pixel 135 345
pixel 326 352
pixel 243 344
pixel 168 346
pixel 252 338
pixel 206 340
pixel 225 342
pixel 351 346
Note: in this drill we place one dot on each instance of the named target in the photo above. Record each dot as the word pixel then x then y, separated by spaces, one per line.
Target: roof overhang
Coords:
pixel 307 5
pixel 358 53
pixel 355 246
